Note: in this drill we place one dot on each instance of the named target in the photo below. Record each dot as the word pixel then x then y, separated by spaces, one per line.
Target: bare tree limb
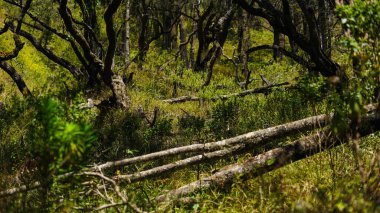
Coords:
pixel 291 55
pixel 267 161
pixel 154 172
pixel 116 188
pixel 250 138
pixel 265 89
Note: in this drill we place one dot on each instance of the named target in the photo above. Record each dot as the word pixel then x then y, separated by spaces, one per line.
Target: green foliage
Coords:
pixel 224 118
pixel 60 138
pixel 119 133
pixel 58 133
pixel 361 21
pixel 313 87
pixel 154 137
pixel 191 123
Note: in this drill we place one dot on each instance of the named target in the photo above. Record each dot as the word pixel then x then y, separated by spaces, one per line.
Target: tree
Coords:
pixel 82 35
pixel 282 18
pixel 4 57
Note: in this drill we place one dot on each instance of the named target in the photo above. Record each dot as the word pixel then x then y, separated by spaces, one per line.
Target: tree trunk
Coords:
pixel 324 19
pixel 127 33
pixel 119 91
pixel 214 58
pixel 255 138
pixel 21 85
pixel 142 40
pixel 245 45
pixel 276 44
pixel 183 48
pixel 194 37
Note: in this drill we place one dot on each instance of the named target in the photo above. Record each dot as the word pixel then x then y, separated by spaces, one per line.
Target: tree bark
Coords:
pixel 276 44
pixel 193 38
pixel 142 40
pixel 324 22
pixel 245 45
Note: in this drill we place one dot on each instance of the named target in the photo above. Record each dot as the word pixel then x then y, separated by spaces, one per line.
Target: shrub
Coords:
pixel 224 118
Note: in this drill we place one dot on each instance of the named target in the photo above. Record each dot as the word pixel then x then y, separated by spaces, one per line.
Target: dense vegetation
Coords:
pixel 83 83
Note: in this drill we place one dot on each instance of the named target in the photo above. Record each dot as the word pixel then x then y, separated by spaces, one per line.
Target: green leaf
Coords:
pixel 271 161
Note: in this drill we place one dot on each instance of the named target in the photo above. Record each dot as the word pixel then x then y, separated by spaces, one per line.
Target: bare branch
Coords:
pixel 259 90
pixel 291 55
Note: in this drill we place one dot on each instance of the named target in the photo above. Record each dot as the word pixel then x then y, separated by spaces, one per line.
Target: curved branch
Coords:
pixel 291 55
pixel 18 46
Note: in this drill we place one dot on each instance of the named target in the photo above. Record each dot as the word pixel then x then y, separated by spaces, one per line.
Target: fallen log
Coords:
pixel 254 166
pixel 261 90
pixel 252 138
pixel 267 161
pixel 20 189
pixel 131 178
pixel 255 137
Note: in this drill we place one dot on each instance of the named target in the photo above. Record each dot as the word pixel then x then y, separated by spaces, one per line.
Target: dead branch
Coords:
pixel 251 91
pixel 182 99
pixel 259 90
pixel 252 138
pixel 116 188
pixel 20 189
pixel 179 164
pixel 265 162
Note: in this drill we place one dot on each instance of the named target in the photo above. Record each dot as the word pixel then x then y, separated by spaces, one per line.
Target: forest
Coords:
pixel 189 106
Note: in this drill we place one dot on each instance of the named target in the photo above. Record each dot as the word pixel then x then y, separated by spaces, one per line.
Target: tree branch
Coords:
pixel 259 90
pixel 291 55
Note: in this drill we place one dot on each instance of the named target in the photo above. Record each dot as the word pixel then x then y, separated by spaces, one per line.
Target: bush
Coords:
pixel 154 136
pixel 224 118
pixel 120 132
pixel 60 138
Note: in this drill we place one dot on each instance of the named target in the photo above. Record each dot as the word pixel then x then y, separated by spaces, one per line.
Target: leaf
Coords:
pixel 340 206
pixel 271 161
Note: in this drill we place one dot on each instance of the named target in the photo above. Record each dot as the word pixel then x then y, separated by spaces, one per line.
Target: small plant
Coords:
pixel 119 132
pixel 191 123
pixel 224 118
pixel 154 136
